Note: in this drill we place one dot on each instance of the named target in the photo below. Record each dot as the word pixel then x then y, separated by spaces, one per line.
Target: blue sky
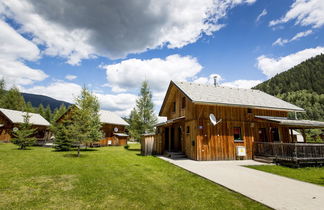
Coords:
pixel 55 48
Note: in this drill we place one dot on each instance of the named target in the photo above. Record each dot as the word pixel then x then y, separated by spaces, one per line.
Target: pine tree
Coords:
pixel 142 119
pixel 24 134
pixel 29 107
pixel 85 127
pixel 13 100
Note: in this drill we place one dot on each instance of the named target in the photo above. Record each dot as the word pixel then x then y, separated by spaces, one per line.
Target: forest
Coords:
pixel 302 85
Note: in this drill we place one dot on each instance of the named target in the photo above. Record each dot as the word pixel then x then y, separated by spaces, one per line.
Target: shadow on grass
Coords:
pixel 74 155
pixel 75 150
pixel 22 149
pixel 133 150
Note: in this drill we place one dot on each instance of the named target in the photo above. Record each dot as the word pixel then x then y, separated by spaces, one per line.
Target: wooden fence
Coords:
pixel 151 144
pixel 295 152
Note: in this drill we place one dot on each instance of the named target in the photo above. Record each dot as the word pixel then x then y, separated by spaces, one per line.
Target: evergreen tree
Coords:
pixel 24 134
pixel 13 100
pixel 48 113
pixel 58 113
pixel 29 107
pixel 142 118
pixel 62 135
pixel 41 110
pixel 85 127
pixel 2 91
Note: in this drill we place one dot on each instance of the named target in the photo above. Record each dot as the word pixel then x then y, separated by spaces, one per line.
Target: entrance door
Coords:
pixel 263 135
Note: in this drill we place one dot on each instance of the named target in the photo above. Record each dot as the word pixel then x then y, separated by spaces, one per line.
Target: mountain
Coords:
pixel 36 100
pixel 302 85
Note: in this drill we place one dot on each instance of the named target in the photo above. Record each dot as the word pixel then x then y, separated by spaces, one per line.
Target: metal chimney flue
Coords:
pixel 215 81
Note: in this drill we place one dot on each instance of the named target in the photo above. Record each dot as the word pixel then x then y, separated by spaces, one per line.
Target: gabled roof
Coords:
pixel 227 96
pixel 109 117
pixel 18 117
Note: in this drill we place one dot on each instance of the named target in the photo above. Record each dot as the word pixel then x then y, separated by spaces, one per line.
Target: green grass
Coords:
pixel 313 175
pixel 108 178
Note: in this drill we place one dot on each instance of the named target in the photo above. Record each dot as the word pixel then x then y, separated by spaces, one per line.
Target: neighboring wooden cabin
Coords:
pixel 10 119
pixel 113 127
pixel 244 116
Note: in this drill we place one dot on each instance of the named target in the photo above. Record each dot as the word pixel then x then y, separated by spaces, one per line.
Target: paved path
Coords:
pixel 272 190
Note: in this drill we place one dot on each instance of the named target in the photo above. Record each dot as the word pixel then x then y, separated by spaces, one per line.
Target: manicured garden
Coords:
pixel 313 175
pixel 106 178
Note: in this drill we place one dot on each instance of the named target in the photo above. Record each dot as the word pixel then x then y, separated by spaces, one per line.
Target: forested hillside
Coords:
pixel 302 85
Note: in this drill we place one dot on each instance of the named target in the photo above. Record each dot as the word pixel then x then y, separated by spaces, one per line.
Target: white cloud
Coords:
pixel 121 104
pixel 14 49
pixel 129 74
pixel 209 80
pixel 305 13
pixel 220 81
pixel 242 83
pixel 272 66
pixel 299 35
pixel 70 77
pixel 78 29
pixel 263 13
pixel 59 90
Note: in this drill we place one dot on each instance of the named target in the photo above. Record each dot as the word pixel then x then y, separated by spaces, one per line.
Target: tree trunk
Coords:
pixel 79 151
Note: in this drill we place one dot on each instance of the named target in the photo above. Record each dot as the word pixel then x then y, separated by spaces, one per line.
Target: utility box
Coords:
pixel 240 151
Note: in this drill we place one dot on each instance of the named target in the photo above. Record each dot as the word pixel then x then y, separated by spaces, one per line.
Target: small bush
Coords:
pixel 126 146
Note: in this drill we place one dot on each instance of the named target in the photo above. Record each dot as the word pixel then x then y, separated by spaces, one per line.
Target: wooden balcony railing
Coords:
pixel 289 151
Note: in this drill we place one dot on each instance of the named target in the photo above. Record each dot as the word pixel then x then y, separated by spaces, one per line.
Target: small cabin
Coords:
pixel 11 119
pixel 113 127
pixel 208 122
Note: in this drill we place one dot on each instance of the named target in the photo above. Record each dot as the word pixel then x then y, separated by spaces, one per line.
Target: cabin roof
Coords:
pixel 219 95
pixel 293 123
pixel 18 117
pixel 109 117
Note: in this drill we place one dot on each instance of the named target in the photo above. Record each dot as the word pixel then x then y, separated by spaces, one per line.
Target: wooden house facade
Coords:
pixel 113 127
pixel 243 116
pixel 11 119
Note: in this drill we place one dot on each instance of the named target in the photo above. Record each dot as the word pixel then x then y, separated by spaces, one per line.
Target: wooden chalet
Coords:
pixel 248 123
pixel 113 127
pixel 11 119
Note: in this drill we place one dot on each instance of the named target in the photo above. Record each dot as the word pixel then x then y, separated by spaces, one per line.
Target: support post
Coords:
pixel 169 138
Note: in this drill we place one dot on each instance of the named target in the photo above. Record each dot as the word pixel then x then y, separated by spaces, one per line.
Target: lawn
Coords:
pixel 313 175
pixel 109 177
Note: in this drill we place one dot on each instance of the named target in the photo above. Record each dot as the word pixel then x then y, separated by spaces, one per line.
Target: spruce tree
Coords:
pixel 24 135
pixel 85 127
pixel 63 140
pixel 2 91
pixel 48 113
pixel 41 110
pixel 142 119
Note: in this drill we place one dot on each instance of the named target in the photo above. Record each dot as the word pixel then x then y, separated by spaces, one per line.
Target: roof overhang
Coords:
pixel 170 121
pixel 283 121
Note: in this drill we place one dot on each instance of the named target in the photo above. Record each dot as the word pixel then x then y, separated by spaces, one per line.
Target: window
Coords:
pixel 183 104
pixel 249 110
pixel 188 130
pixel 174 108
pixel 237 134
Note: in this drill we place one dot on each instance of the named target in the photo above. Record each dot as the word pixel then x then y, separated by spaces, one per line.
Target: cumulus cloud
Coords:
pixel 242 83
pixel 14 50
pixel 305 13
pixel 263 13
pixel 70 77
pixel 281 42
pixel 80 29
pixel 220 81
pixel 272 66
pixel 121 104
pixel 129 74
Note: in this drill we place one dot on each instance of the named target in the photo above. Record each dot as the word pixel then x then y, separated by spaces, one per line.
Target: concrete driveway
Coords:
pixel 272 190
